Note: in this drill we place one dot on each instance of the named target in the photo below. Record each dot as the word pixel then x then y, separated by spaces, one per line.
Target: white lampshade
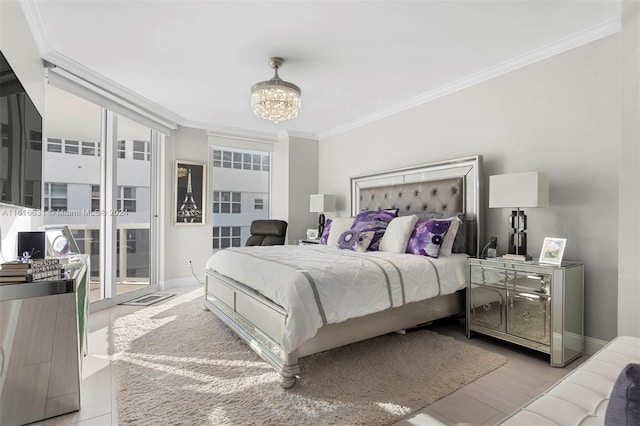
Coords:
pixel 320 203
pixel 517 190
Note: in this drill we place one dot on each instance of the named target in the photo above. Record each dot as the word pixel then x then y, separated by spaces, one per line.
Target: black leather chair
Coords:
pixel 267 233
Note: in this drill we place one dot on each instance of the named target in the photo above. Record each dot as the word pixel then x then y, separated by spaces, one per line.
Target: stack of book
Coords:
pixel 33 270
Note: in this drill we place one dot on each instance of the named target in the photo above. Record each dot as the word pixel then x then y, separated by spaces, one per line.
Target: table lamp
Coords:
pixel 320 203
pixel 518 190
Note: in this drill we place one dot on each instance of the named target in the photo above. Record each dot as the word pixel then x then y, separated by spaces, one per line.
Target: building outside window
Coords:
pixel 240 160
pixel 122 149
pixel 71 147
pixel 127 198
pixel 95 198
pixel 55 196
pixel 35 139
pixel 54 145
pixel 29 191
pixel 141 150
pixel 226 202
pixel 226 236
pixel 258 204
pixel 88 148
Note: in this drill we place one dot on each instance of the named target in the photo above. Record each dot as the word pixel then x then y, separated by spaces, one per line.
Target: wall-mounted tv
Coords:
pixel 20 143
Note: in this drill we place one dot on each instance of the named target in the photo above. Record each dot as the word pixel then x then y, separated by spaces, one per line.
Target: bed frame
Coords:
pixel 447 186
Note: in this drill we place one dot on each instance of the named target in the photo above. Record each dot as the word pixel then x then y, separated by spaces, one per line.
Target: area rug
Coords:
pixel 177 364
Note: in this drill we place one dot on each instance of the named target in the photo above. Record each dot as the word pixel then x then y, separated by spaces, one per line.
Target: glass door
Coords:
pixel 133 195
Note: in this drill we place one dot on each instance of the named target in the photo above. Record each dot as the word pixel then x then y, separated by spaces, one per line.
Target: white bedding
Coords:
pixel 318 285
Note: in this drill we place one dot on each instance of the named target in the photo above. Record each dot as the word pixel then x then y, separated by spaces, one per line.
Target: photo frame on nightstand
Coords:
pixel 552 250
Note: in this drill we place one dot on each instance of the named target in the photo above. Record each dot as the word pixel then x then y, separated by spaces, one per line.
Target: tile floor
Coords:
pixel 483 402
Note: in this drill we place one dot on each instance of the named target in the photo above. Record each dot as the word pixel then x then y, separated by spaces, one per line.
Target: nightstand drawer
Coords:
pixel 491 276
pixel 511 279
pixel 487 307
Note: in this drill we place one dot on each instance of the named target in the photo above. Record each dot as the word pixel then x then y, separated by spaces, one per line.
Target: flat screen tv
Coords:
pixel 20 143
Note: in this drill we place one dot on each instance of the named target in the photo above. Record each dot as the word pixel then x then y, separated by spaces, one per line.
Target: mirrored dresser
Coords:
pixel 532 304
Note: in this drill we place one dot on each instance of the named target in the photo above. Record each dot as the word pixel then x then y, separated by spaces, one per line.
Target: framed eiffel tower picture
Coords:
pixel 190 186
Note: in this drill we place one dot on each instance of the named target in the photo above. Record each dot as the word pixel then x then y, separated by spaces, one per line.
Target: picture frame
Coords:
pixel 552 250
pixel 190 181
pixel 60 241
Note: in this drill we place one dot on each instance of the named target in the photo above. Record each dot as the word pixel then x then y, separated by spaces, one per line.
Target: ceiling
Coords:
pixel 353 60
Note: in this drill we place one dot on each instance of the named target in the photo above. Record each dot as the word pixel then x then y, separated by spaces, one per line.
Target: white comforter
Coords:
pixel 318 285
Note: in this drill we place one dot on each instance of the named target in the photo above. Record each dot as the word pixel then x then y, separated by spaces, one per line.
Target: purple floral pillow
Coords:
pixel 427 237
pixel 375 221
pixel 325 234
pixel 354 240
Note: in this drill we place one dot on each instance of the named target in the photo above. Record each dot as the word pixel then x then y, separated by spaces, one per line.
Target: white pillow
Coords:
pixel 397 234
pixel 450 236
pixel 338 226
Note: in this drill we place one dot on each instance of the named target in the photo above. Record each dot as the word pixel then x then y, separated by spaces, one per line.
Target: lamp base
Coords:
pixel 517 235
pixel 321 222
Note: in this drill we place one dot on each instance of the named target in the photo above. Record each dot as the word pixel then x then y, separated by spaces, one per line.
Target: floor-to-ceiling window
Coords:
pixel 71 175
pixel 78 152
pixel 240 194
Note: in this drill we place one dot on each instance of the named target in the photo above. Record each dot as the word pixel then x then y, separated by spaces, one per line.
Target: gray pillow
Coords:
pixel 460 243
pixel 624 402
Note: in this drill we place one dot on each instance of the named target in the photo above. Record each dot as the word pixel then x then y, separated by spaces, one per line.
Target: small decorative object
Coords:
pixel 60 241
pixel 189 200
pixel 552 250
pixel 312 234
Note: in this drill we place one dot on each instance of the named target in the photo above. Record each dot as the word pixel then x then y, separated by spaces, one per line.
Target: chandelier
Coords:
pixel 276 100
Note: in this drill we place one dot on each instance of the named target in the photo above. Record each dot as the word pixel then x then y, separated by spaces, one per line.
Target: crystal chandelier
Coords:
pixel 276 100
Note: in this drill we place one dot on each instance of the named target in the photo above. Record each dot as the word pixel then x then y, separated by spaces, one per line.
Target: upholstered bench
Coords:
pixel 582 397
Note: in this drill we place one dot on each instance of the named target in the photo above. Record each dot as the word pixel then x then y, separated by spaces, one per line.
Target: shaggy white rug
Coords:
pixel 177 364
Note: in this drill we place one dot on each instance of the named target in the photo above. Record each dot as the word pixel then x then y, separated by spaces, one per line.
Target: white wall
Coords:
pixel 303 181
pixel 629 229
pixel 19 47
pixel 185 242
pixel 560 116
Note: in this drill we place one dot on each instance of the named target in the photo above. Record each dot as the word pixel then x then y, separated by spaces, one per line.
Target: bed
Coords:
pixel 290 301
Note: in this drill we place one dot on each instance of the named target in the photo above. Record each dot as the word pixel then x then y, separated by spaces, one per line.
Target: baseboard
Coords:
pixel 181 282
pixel 593 345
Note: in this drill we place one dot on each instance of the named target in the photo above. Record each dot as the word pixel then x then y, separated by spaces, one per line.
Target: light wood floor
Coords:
pixel 483 402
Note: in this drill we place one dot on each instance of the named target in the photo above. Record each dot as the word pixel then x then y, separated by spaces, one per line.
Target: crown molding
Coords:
pixel 576 40
pixel 32 15
pixel 298 134
pixel 75 68
pixel 230 132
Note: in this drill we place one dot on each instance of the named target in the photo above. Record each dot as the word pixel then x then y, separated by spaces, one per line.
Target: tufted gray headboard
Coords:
pixel 445 187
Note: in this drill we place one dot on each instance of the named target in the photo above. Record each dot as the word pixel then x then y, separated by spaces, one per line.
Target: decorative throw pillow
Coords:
pixel 375 221
pixel 397 234
pixel 624 402
pixel 427 237
pixel 355 240
pixel 460 240
pixel 447 244
pixel 325 234
pixel 338 226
